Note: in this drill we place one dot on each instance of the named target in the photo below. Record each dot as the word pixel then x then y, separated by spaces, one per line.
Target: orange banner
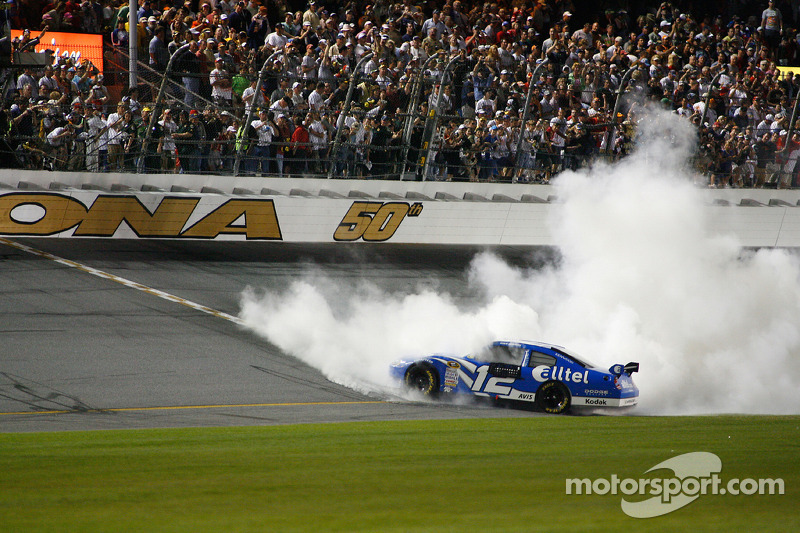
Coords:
pixel 75 45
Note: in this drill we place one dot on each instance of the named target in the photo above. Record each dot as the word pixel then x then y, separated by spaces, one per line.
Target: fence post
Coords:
pixel 612 129
pixel 707 97
pixel 249 115
pixel 348 101
pixel 430 128
pixel 157 104
pixel 413 104
pixel 133 40
pixel 789 133
pixel 526 115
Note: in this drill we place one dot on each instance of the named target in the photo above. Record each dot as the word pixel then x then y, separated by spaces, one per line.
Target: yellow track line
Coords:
pixel 183 407
pixel 165 296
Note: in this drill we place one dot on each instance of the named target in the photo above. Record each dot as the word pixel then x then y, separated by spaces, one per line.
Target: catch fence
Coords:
pixel 354 121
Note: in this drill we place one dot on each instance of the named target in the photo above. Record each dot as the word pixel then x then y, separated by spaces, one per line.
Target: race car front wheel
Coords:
pixel 423 378
pixel 553 397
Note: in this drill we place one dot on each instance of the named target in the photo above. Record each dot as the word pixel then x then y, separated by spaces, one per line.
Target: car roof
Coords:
pixel 560 350
pixel 533 344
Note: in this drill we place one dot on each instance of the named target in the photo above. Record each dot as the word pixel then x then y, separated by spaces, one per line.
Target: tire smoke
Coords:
pixel 642 277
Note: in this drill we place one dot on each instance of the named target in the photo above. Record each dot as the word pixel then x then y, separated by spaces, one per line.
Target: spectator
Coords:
pixel 221 85
pixel 158 50
pixel 675 58
pixel 262 151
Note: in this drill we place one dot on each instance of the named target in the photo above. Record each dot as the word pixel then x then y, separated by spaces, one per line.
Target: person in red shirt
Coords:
pixel 301 147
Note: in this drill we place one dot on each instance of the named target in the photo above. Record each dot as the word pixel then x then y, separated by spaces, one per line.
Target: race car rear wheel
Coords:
pixel 423 378
pixel 553 397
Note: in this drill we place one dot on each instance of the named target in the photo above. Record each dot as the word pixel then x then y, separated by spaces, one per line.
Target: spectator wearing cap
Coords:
pixel 239 18
pixel 148 148
pixel 145 11
pixel 435 22
pixel 336 47
pixel 311 15
pixel 293 27
pixel 213 127
pixel 261 153
pixel 281 106
pixel 98 93
pixel 280 91
pixel 228 61
pixel 507 33
pixel 252 98
pixel 277 40
pixel 299 99
pixel 765 126
pixel 309 64
pixel 223 30
pixel 486 105
pixel 308 35
pixel 221 85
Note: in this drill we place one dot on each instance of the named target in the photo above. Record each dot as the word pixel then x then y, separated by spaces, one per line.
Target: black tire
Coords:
pixel 423 378
pixel 553 397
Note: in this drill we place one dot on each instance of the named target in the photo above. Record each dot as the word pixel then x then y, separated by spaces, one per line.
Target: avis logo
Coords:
pixel 374 221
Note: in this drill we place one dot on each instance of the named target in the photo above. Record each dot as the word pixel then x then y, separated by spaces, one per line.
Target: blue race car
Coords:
pixel 548 376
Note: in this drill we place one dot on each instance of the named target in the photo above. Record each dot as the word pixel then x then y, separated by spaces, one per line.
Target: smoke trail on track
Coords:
pixel 642 277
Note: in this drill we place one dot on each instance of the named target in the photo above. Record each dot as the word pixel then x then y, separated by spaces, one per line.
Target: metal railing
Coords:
pixel 423 139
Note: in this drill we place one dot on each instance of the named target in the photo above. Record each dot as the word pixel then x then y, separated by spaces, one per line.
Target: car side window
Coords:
pixel 541 359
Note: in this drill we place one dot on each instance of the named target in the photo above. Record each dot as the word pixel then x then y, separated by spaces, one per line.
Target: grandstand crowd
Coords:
pixel 717 64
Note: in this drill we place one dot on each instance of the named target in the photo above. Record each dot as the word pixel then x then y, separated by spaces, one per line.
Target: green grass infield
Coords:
pixel 507 474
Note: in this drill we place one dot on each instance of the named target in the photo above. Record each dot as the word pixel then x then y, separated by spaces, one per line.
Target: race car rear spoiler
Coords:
pixel 629 369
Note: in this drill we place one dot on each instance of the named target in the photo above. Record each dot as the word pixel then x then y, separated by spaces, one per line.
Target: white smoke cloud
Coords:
pixel 352 334
pixel 642 277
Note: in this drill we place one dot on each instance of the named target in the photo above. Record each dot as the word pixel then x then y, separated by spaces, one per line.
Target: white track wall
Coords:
pixel 325 211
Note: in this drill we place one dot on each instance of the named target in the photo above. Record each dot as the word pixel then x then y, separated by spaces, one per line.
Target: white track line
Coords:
pixel 122 281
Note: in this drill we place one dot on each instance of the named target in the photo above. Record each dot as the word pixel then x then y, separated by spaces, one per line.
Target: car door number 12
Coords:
pixel 492 385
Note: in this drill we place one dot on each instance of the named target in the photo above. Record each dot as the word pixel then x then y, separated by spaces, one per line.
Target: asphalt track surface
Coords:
pixel 113 334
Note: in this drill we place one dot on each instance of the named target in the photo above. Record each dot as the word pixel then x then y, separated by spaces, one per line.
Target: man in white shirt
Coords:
pixel 317 99
pixel 260 155
pixel 97 142
pixel 57 143
pixel 251 98
pixel 221 86
pixel 115 149
pixel 319 141
pixel 486 104
pixel 276 40
pixel 169 126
